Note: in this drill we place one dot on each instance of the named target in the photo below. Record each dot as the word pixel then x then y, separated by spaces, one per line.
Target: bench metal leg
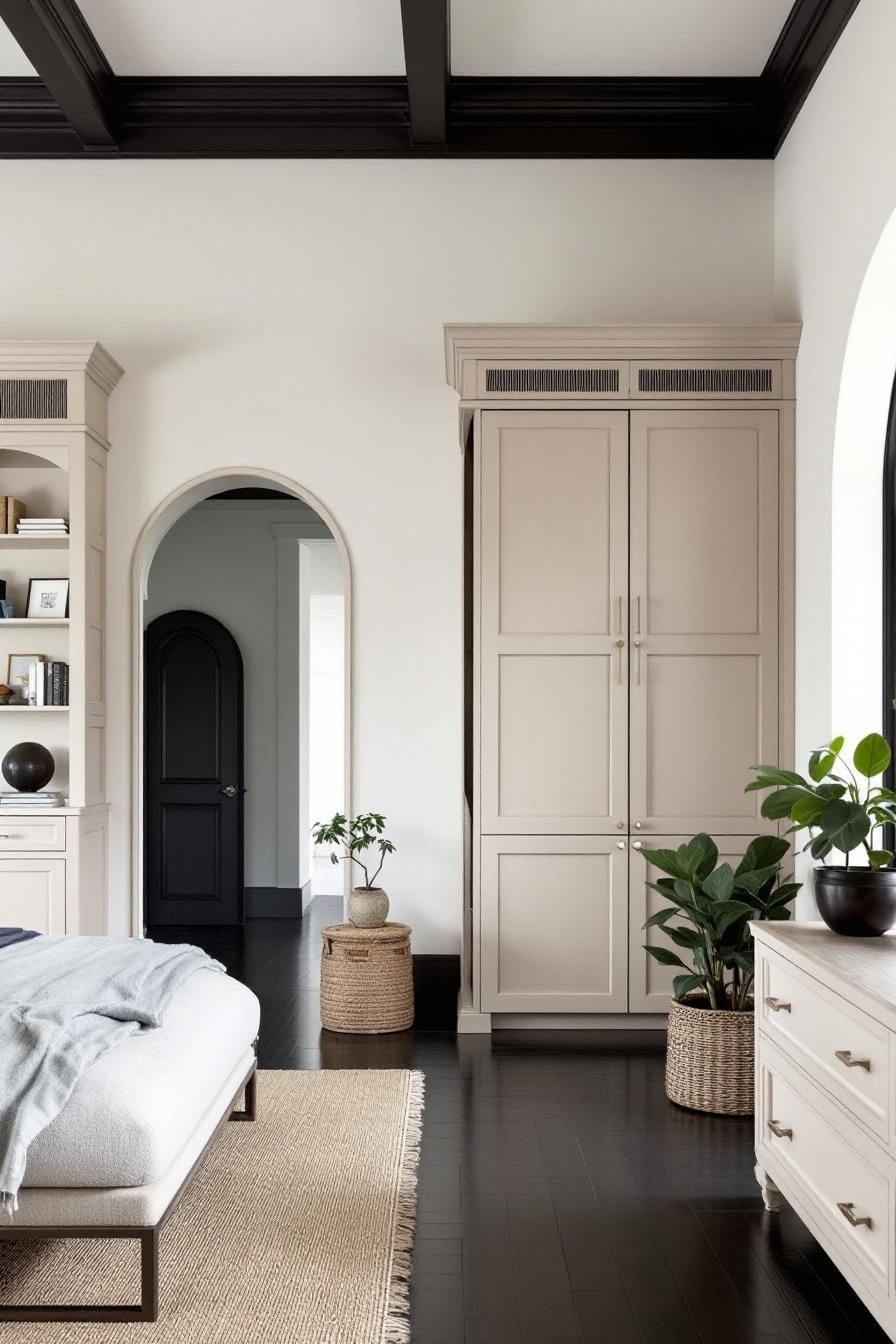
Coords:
pixel 146 1310
pixel 250 1105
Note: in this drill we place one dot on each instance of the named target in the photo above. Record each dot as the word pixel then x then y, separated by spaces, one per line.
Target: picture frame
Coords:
pixel 47 599
pixel 17 666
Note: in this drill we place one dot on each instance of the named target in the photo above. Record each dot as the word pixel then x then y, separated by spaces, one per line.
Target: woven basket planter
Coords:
pixel 366 979
pixel 709 1059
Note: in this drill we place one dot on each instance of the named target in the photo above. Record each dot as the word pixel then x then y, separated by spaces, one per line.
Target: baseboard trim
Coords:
pixel 579 1021
pixel 436 987
pixel 276 902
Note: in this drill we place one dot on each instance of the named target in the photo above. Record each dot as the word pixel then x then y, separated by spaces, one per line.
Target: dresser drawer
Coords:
pixel 31 834
pixel 835 1170
pixel 845 1051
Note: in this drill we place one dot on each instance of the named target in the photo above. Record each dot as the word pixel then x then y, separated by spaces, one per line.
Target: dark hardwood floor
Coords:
pixel 562 1198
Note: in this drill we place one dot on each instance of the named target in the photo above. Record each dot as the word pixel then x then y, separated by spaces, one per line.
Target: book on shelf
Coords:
pixel 15 510
pixel 26 526
pixel 32 801
pixel 47 683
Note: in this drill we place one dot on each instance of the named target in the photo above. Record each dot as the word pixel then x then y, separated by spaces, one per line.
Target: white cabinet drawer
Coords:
pixel 824 1161
pixel 845 1051
pixel 32 834
pixel 32 894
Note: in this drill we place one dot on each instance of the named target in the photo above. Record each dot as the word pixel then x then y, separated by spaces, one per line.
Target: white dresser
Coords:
pixel 826 1096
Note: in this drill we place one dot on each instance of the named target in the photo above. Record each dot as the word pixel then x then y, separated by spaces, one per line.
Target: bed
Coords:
pixel 117 1159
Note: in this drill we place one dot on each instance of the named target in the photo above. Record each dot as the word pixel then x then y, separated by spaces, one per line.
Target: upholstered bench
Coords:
pixel 118 1158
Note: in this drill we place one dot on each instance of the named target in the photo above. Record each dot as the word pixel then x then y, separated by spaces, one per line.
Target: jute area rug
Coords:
pixel 299 1228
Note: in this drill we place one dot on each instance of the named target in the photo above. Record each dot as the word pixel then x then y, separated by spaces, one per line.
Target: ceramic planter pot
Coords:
pixel 709 1057
pixel 856 902
pixel 368 907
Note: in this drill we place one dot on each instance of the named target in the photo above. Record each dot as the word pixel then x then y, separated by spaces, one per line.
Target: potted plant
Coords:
pixel 362 839
pixel 709 1053
pixel 843 809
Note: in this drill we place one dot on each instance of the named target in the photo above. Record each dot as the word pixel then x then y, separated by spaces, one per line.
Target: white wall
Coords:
pixel 221 559
pixel 835 190
pixel 326 710
pixel 289 315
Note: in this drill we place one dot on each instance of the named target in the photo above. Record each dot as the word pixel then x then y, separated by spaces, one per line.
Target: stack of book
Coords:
pixel 41 527
pixel 47 683
pixel 33 802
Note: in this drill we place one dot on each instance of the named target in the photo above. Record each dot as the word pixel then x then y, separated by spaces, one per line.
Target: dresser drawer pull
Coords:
pixel 854 1219
pixel 778 1005
pixel 779 1131
pixel 845 1057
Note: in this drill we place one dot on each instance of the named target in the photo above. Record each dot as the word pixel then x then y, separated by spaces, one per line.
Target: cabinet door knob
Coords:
pixel 620 844
pixel 638 825
pixel 846 1057
pixel 778 1005
pixel 779 1130
pixel 229 790
pixel 854 1219
pixel 637 844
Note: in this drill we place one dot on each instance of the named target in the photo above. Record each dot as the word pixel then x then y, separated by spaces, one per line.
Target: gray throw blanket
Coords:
pixel 65 1002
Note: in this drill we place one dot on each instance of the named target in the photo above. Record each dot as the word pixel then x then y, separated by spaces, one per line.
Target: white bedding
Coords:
pixel 133 1111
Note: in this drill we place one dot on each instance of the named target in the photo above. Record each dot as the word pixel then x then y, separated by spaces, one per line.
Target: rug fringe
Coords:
pixel 397 1326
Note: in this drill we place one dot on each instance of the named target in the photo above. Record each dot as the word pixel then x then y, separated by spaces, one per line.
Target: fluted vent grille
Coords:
pixel 33 398
pixel 552 380
pixel 704 380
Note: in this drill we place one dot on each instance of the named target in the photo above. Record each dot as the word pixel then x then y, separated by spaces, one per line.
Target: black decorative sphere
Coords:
pixel 28 766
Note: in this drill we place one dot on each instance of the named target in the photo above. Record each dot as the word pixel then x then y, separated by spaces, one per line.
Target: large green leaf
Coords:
pixel 683 984
pixel 720 884
pixel 821 763
pixel 836 745
pixel 698 857
pixel 665 956
pixel 683 936
pixel 773 774
pixel 807 811
pixel 880 858
pixel 764 850
pixel 660 917
pixel 779 803
pixel 819 846
pixel 830 790
pixel 872 756
pixel 729 912
pixel 665 859
pixel 755 880
pixel 845 824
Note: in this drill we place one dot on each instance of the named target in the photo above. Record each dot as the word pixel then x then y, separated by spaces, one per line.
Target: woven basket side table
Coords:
pixel 366 979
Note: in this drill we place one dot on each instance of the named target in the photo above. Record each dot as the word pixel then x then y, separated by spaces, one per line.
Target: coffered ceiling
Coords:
pixel 524 78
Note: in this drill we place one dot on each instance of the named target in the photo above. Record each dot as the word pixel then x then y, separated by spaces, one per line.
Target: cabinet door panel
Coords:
pixel 32 894
pixel 553 543
pixel 704 583
pixel 649 983
pixel 553 924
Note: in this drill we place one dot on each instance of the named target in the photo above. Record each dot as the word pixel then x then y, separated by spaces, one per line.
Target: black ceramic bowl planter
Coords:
pixel 857 902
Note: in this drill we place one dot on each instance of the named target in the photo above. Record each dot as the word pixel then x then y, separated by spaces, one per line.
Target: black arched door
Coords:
pixel 193 755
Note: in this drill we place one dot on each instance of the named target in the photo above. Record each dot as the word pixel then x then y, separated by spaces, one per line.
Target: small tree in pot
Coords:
pixel 709 1058
pixel 844 809
pixel 364 843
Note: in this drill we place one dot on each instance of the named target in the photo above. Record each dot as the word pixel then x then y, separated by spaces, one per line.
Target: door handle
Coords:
pixel 620 645
pixel 778 1005
pixel 229 790
pixel 854 1219
pixel 637 662
pixel 846 1057
pixel 780 1131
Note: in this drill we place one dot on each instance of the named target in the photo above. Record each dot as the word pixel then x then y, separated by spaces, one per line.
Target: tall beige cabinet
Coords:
pixel 630 639
pixel 53 451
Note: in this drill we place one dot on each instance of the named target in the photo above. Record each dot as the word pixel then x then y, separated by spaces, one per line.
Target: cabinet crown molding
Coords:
pixel 467 343
pixel 46 357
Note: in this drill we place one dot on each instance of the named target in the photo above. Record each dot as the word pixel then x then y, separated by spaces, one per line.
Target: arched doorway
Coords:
pixel 200 491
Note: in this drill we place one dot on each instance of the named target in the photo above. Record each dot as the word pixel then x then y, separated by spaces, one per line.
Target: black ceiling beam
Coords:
pixel 806 41
pixel 57 41
pixel 424 26
pixel 725 118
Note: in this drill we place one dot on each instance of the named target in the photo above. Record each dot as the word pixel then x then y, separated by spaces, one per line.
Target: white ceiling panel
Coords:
pixel 14 64
pixel 614 37
pixel 230 37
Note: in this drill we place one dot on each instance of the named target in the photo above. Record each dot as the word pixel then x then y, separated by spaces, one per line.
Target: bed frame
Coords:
pixel 148 1307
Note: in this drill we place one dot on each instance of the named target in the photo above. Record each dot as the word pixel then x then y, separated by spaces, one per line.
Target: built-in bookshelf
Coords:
pixel 56 467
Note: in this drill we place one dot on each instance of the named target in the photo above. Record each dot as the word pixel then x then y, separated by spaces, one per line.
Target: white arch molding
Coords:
pixel 159 523
pixel 860 434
